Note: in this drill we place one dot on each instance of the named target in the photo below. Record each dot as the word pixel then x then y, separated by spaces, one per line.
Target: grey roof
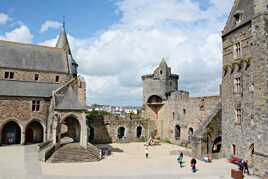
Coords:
pixel 32 57
pixel 246 8
pixel 26 88
pixel 63 42
pixel 69 100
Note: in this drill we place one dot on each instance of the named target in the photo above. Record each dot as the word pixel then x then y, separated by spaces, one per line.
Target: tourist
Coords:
pixel 245 165
pixel 180 157
pixel 193 165
pixel 147 152
pixel 241 165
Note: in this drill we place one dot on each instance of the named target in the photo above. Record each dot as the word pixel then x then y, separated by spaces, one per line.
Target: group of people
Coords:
pixel 243 166
pixel 192 162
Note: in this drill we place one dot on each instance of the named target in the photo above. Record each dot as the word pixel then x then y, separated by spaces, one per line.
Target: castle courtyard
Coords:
pixel 126 161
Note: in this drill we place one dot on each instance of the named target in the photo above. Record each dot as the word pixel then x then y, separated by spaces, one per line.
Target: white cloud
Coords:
pixel 19 34
pixel 4 18
pixel 180 30
pixel 50 24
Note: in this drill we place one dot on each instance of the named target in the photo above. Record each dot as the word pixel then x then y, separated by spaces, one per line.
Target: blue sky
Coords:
pixel 83 18
pixel 115 42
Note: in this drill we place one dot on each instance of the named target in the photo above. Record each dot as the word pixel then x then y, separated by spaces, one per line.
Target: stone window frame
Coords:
pixel 9 75
pixel 57 79
pixel 237 83
pixel 238 16
pixel 237 49
pixel 238 114
pixel 36 105
pixel 36 76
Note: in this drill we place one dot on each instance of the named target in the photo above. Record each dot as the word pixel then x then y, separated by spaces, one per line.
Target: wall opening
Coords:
pixel 120 132
pixel 234 149
pixel 177 132
pixel 91 134
pixel 139 131
pixel 190 133
pixel 216 147
pixel 34 133
pixel 71 128
pixel 11 133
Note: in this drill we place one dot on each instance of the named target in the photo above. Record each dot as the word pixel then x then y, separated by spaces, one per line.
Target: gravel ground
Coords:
pixel 127 161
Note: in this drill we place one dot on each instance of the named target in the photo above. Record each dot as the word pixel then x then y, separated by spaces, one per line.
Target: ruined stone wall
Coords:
pixel 19 110
pixel 183 110
pixel 29 75
pixel 106 129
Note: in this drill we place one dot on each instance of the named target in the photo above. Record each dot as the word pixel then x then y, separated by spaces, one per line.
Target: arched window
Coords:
pixel 154 99
pixel 120 132
pixel 177 132
pixel 139 131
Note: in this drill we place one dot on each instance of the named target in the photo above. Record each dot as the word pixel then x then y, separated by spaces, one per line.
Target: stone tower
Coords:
pixel 161 83
pixel 244 83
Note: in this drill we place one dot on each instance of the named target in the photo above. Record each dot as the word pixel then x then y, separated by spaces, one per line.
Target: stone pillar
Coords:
pixel 83 134
pixel 22 136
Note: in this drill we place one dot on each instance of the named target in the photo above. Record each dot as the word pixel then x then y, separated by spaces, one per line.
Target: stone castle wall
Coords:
pixel 27 75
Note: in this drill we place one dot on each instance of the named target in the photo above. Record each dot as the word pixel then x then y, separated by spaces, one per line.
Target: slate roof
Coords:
pixel 246 7
pixel 27 88
pixel 32 57
pixel 69 101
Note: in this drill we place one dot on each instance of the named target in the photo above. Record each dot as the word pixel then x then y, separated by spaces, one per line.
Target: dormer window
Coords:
pixel 36 77
pixel 57 78
pixel 9 75
pixel 237 17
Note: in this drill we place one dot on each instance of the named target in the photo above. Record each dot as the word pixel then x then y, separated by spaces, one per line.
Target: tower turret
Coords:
pixel 63 43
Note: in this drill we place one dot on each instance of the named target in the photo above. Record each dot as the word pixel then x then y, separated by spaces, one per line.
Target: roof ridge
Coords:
pixel 30 44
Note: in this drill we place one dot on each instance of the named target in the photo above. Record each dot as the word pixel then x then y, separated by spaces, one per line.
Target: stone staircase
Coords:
pixel 73 152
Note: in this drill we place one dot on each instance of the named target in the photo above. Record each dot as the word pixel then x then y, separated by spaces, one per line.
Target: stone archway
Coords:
pixel 190 133
pixel 139 132
pixel 121 132
pixel 216 147
pixel 177 132
pixel 70 127
pixel 34 133
pixel 11 133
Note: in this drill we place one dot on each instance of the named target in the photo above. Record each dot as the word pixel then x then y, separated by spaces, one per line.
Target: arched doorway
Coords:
pixel 11 133
pixel 34 133
pixel 216 147
pixel 91 134
pixel 190 133
pixel 70 127
pixel 120 132
pixel 177 132
pixel 251 150
pixel 139 131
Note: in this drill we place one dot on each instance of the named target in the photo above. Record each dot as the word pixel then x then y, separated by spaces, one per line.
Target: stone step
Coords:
pixel 73 152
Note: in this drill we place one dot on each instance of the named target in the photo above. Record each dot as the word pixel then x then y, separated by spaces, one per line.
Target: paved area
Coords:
pixel 127 161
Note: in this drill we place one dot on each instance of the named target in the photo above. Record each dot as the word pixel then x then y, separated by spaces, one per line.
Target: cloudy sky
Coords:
pixel 117 41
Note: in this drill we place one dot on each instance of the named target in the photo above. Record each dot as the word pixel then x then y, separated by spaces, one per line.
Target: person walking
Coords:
pixel 245 165
pixel 193 165
pixel 146 152
pixel 180 157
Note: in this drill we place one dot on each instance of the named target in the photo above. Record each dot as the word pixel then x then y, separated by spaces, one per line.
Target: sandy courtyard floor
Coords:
pixel 127 161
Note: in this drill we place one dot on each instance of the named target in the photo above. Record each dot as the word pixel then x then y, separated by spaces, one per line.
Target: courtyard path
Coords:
pixel 127 161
